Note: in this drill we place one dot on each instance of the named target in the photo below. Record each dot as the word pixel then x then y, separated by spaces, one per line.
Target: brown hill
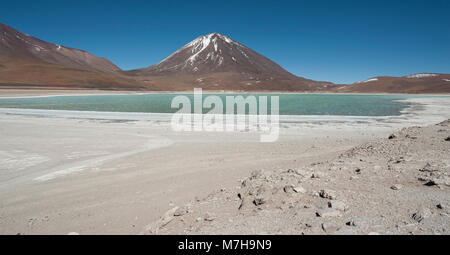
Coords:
pixel 16 72
pixel 28 61
pixel 16 44
pixel 416 83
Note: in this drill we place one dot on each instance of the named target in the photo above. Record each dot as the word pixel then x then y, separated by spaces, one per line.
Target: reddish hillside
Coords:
pixel 414 84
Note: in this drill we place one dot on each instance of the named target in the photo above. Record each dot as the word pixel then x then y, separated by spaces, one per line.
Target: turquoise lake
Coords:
pixel 290 104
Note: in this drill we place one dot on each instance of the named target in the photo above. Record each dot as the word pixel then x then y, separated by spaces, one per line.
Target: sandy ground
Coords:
pixel 109 173
pixel 395 185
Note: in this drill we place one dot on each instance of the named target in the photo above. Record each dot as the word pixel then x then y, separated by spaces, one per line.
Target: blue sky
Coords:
pixel 339 41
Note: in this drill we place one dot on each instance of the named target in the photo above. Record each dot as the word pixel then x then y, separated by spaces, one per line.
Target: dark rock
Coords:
pixel 442 206
pixel 290 171
pixel 316 175
pixel 242 201
pixel 288 189
pixel 421 214
pixel 328 194
pixel 397 187
pixel 437 181
pixel 259 201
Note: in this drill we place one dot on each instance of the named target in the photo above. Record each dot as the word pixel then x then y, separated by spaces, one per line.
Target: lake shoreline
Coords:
pixel 27 93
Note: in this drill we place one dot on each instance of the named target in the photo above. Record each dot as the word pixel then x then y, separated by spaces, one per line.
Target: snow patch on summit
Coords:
pixel 194 52
pixel 369 80
pixel 421 75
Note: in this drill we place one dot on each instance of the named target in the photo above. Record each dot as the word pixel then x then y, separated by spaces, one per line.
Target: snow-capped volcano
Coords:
pixel 214 53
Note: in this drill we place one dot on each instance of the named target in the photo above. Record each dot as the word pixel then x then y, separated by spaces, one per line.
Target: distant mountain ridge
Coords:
pixel 414 83
pixel 212 62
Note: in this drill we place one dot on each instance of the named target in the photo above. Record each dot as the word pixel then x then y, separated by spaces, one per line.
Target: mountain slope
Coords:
pixel 16 44
pixel 415 83
pixel 28 61
pixel 23 73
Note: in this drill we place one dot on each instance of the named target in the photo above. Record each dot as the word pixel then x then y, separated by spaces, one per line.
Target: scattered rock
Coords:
pixel 289 189
pixel 328 212
pixel 428 168
pixel 346 230
pixel 447 139
pixel 242 201
pixel 329 227
pixel 410 137
pixel 397 187
pixel 361 222
pixel 299 189
pixel 163 221
pixel 290 171
pixel 255 174
pixel 421 214
pixel 209 216
pixel 315 193
pixel 328 194
pixel 338 205
pixel 397 160
pixel 442 206
pixel 436 181
pixel 181 211
pixel 316 175
pixel 392 137
pixel 259 201
pixel 334 168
